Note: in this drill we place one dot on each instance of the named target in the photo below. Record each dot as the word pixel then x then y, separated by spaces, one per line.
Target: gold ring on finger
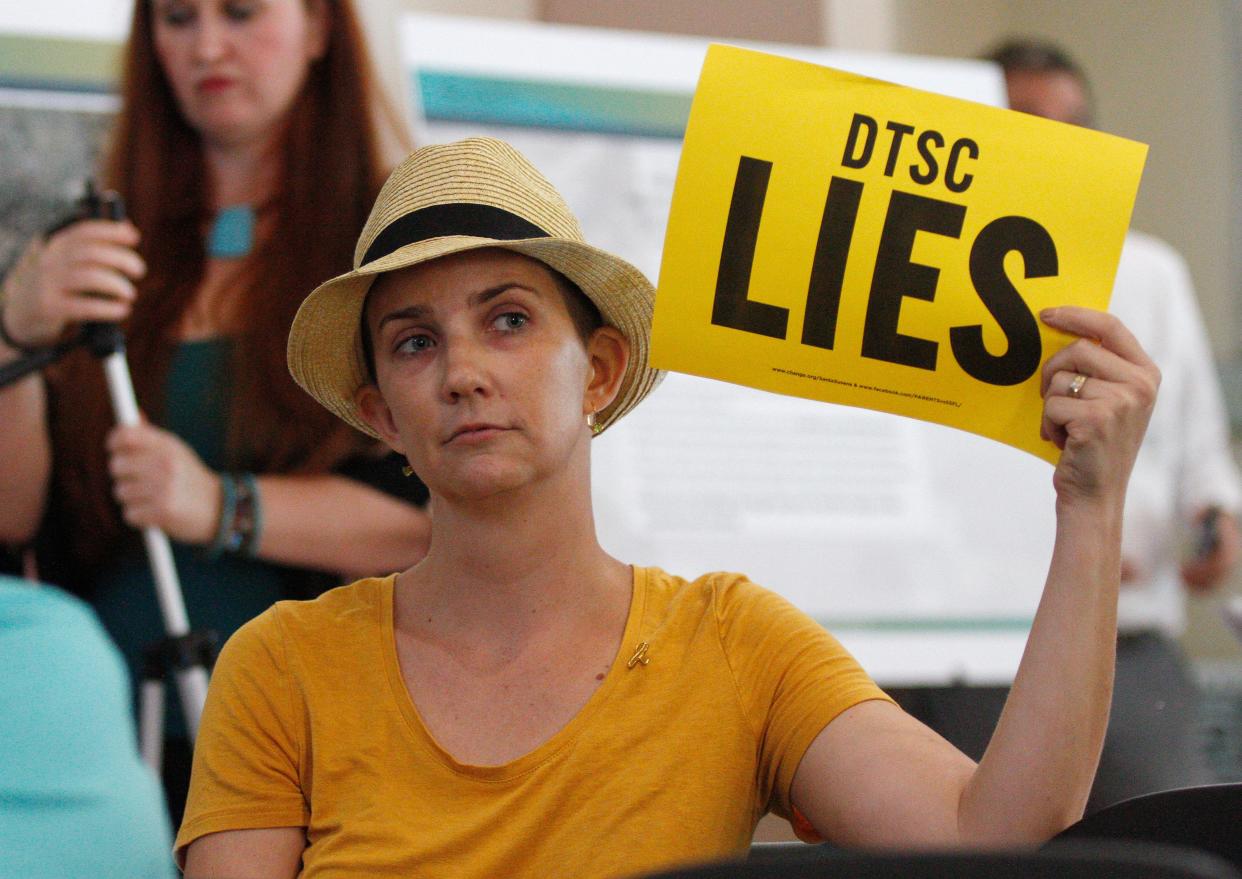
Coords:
pixel 1077 383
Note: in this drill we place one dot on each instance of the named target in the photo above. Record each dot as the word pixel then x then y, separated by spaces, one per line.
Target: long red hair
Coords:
pixel 331 169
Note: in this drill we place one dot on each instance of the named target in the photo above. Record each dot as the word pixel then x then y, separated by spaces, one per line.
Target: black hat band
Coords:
pixel 458 218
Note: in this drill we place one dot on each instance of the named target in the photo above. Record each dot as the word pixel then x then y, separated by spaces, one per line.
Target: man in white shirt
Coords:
pixel 1180 530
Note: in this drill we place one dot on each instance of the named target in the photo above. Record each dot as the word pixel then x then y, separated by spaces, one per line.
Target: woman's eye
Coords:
pixel 510 321
pixel 240 10
pixel 177 14
pixel 414 344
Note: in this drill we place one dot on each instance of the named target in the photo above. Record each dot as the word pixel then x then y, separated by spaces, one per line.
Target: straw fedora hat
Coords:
pixel 445 199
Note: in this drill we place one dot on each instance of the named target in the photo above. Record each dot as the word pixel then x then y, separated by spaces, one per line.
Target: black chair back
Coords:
pixel 1208 817
pixel 1096 859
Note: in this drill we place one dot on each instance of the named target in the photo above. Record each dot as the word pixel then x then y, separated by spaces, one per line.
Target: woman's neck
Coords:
pixel 503 563
pixel 241 173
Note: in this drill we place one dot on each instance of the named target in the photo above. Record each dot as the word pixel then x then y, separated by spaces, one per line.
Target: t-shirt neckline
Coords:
pixel 546 750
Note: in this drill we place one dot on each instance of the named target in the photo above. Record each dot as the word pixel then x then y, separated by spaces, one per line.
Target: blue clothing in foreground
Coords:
pixel 75 800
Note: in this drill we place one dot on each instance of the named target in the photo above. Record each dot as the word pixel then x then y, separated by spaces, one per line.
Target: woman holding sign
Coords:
pixel 520 701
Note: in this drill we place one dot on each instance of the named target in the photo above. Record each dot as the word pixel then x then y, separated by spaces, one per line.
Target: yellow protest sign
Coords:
pixel 858 242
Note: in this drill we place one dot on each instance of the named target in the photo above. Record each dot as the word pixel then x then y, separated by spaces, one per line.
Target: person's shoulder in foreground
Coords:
pixel 75 800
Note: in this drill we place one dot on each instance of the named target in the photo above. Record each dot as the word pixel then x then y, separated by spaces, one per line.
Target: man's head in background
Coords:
pixel 1043 80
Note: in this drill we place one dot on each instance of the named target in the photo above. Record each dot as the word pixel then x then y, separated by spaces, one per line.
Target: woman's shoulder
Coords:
pixel 357 605
pixel 710 583
pixel 724 593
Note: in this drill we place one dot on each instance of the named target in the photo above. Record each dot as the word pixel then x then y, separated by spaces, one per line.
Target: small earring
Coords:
pixel 596 427
pixel 407 470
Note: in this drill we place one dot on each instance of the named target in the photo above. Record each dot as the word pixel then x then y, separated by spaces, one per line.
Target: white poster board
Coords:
pixel 923 548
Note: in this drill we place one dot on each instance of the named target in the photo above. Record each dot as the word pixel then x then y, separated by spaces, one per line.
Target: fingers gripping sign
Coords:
pixel 1098 395
pixel 159 481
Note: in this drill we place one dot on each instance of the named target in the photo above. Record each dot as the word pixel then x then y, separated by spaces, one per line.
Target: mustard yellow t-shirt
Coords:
pixel 308 723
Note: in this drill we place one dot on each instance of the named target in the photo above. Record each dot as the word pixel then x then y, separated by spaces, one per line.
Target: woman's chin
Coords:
pixel 484 480
pixel 495 473
pixel 225 127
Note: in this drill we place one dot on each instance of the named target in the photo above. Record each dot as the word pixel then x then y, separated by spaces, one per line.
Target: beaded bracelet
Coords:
pixel 228 505
pixel 247 517
pixel 241 516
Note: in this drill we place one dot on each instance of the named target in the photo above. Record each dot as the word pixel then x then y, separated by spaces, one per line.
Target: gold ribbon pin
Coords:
pixel 640 656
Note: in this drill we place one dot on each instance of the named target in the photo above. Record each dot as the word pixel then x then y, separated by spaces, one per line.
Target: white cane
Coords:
pixel 191 681
pixel 107 342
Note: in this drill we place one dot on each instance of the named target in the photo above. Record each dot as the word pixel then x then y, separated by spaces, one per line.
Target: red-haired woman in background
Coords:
pixel 248 151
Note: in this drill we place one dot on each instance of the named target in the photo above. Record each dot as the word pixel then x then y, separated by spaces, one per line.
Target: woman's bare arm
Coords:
pixel 83 272
pixel 336 524
pixel 876 776
pixel 25 456
pixel 267 853
pixel 322 521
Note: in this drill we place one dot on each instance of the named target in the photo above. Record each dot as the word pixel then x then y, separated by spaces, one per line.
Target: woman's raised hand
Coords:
pixel 159 481
pixel 1098 394
pixel 84 272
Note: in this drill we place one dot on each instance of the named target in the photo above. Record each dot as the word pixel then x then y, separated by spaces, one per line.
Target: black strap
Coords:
pixel 474 220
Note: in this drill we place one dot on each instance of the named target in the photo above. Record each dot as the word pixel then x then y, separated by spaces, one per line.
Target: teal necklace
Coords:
pixel 232 233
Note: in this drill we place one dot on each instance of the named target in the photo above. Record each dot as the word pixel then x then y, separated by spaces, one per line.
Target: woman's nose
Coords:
pixel 465 371
pixel 210 37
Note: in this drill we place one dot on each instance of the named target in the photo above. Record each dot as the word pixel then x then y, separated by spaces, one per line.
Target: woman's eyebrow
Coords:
pixel 411 312
pixel 420 312
pixel 490 293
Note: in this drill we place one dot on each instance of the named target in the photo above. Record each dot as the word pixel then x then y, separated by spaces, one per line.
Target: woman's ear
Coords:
pixel 375 412
pixel 608 353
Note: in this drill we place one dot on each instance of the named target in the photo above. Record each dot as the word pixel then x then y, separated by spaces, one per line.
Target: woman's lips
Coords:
pixel 214 84
pixel 472 433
